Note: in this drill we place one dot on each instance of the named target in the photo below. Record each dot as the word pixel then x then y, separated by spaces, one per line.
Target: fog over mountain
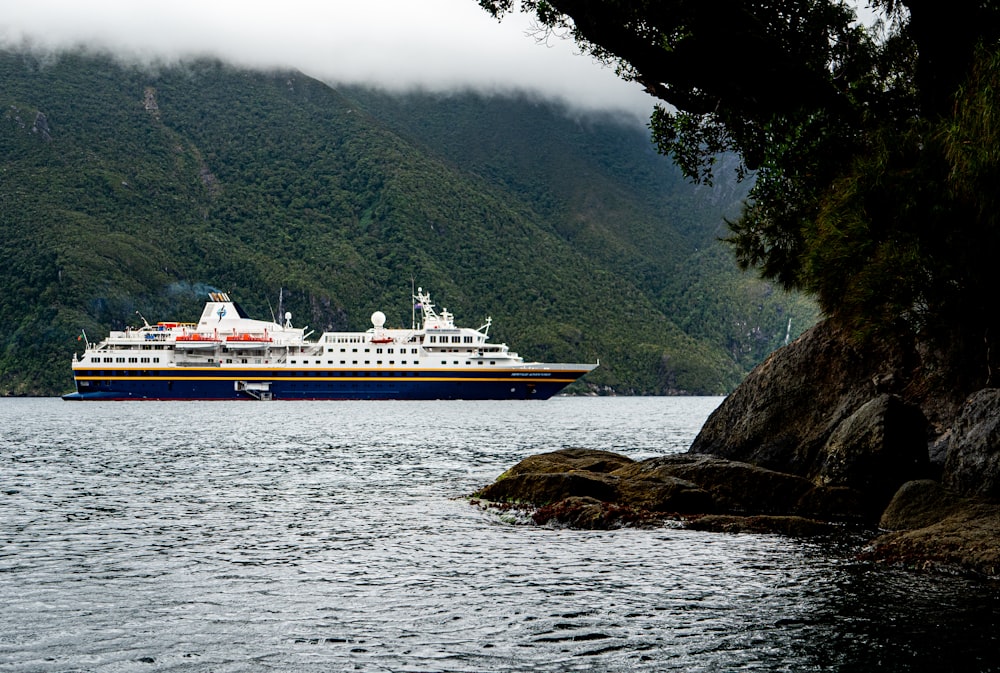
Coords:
pixel 434 45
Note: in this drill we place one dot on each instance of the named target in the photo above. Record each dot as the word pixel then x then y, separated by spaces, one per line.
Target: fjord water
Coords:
pixel 334 536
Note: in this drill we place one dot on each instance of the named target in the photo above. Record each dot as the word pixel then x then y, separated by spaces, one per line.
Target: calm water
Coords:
pixel 332 536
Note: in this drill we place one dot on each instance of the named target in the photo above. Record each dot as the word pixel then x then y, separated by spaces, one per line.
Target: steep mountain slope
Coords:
pixel 127 190
pixel 597 182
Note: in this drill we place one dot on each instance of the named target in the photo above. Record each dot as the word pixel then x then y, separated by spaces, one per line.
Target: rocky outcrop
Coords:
pixel 880 427
pixel 918 504
pixel 41 127
pixel 584 488
pixel 820 432
pixel 788 406
pixel 875 450
pixel 933 527
pixel 972 463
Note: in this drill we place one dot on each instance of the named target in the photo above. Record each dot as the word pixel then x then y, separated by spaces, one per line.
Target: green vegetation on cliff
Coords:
pixel 127 190
pixel 874 149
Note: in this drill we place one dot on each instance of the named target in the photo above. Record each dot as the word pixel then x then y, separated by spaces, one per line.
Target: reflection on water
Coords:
pixel 332 536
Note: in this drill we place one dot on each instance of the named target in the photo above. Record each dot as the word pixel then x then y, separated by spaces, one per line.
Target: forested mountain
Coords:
pixel 127 189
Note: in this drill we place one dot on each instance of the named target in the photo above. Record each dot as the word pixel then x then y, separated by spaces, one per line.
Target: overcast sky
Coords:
pixel 398 44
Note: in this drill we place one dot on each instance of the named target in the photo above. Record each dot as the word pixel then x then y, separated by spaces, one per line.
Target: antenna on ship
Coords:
pixel 143 319
pixel 413 305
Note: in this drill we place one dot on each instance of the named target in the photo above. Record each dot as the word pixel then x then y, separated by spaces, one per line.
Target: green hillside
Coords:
pixel 127 190
pixel 598 183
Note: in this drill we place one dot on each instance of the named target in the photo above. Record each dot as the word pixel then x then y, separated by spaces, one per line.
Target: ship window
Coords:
pixel 392 362
pixel 354 350
pixel 354 362
pixel 492 362
pixel 467 339
pixel 378 350
pixel 413 351
pixel 343 350
pixel 434 339
pixel 343 362
pixel 480 362
pixel 229 361
pixel 156 359
pixel 456 362
pixel 390 351
pixel 444 362
pixel 119 359
pixel 368 362
pixel 378 362
pixel 456 340
pixel 108 360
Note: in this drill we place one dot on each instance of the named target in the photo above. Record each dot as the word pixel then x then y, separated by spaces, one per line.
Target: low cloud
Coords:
pixel 435 45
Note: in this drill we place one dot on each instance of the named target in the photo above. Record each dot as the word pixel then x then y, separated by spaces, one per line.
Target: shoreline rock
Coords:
pixel 820 434
pixel 560 489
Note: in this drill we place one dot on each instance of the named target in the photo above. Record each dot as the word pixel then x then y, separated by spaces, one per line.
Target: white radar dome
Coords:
pixel 378 319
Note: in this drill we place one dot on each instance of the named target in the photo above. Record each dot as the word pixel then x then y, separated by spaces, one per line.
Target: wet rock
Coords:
pixel 874 450
pixel 679 484
pixel 964 540
pixel 918 504
pixel 972 466
pixel 570 460
pixel 783 525
pixel 591 514
pixel 543 488
pixel 833 503
pixel 734 486
pixel 663 493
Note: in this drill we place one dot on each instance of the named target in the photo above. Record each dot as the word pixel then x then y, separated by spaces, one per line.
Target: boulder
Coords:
pixel 547 478
pixel 678 484
pixel 972 465
pixel 736 487
pixel 570 460
pixel 664 494
pixel 543 488
pixel 785 410
pixel 964 540
pixel 882 445
pixel 918 504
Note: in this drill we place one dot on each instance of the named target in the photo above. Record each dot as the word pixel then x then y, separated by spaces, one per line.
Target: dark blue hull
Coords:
pixel 229 384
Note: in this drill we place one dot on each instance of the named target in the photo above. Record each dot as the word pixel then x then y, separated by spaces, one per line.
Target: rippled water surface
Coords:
pixel 333 536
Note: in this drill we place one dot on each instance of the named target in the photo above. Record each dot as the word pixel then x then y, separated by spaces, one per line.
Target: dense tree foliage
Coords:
pixel 128 189
pixel 874 148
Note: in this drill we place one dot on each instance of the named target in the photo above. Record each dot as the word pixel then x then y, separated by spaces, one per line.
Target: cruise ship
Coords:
pixel 227 355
